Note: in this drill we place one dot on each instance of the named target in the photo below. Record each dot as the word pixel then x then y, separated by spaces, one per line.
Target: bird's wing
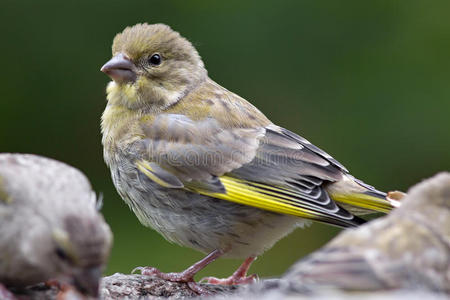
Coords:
pixel 266 167
pixel 288 169
pixel 344 267
pixel 179 152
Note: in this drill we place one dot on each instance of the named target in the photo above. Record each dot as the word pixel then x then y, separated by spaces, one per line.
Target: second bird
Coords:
pixel 204 167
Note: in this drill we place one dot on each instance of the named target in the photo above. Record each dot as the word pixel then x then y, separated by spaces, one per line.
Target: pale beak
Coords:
pixel 120 68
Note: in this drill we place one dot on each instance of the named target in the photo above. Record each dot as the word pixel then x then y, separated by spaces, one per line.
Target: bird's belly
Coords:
pixel 204 223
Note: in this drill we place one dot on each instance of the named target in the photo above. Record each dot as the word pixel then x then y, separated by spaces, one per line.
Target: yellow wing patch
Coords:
pixel 266 197
pixel 239 191
pixel 158 174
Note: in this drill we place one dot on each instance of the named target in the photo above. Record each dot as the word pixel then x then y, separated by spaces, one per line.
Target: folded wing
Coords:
pixel 269 168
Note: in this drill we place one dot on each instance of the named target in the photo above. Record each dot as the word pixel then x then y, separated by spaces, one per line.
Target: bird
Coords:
pixel 408 249
pixel 50 226
pixel 204 167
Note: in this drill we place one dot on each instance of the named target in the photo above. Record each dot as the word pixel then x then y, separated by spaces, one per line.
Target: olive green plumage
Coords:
pixel 203 166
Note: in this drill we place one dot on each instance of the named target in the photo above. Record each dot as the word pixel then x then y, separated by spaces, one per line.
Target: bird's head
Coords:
pixel 152 67
pixel 74 251
pixel 81 250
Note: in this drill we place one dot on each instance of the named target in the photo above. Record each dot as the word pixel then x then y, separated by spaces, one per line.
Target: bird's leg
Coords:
pixel 5 293
pixel 186 275
pixel 238 277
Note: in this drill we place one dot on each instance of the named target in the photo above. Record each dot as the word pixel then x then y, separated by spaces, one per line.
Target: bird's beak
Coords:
pixel 87 281
pixel 120 68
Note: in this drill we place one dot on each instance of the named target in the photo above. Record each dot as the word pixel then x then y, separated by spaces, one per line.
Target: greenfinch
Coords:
pixel 207 169
pixel 50 227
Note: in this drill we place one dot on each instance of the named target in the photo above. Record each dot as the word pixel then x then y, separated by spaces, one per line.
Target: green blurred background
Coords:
pixel 368 81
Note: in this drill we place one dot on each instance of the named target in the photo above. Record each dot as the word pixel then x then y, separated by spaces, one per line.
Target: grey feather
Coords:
pixel 196 150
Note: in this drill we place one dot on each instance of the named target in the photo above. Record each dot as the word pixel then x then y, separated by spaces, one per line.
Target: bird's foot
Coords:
pixel 185 276
pixel 238 277
pixel 6 294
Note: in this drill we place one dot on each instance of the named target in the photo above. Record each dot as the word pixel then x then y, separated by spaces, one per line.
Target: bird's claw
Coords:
pixel 175 277
pixel 135 270
pixel 146 271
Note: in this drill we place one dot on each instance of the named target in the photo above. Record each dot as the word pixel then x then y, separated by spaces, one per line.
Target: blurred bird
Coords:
pixel 50 227
pixel 408 249
pixel 204 167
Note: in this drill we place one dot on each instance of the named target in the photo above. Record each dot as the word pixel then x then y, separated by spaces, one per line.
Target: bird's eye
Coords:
pixel 155 59
pixel 61 254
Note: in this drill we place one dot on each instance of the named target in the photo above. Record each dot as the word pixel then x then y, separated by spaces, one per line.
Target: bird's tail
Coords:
pixel 361 198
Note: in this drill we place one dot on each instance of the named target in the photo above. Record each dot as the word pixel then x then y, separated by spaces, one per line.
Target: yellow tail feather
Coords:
pixel 364 201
